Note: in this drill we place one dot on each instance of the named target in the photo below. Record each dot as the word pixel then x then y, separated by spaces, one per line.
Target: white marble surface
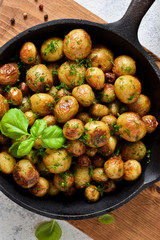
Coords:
pixel 17 223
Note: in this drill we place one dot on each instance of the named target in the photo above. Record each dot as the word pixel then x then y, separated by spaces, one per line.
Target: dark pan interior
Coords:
pixel 77 207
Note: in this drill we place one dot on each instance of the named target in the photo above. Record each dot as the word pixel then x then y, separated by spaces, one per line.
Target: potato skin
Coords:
pixel 141 106
pixel 81 176
pixel 71 74
pixel 14 96
pixel 136 150
pixel 84 117
pixel 52 191
pixel 57 161
pixel 114 108
pixel 25 174
pixel 97 134
pixel 114 168
pixel 84 95
pixel 109 147
pixel 9 74
pixel 7 163
pixel 77 44
pixel 24 88
pixel 32 156
pixel 52 49
pixel 98 161
pixel 25 105
pixel 109 186
pixel 66 108
pixel 91 151
pixel 91 193
pixel 95 77
pixel 150 122
pixel 108 94
pixel 4 106
pixel 102 58
pixel 73 129
pixel 40 188
pixel 84 161
pixel 39 78
pixel 62 93
pixel 99 110
pixel 99 175
pixel 28 53
pixel 50 120
pixel 31 117
pixel 127 88
pixel 76 147
pixel 42 103
pixel 124 65
pixel 63 181
pixel 110 120
pixel 132 170
pixel 131 128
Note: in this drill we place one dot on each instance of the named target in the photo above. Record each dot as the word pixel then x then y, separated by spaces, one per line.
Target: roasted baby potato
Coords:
pixel 110 120
pixel 98 161
pixel 84 95
pixel 91 151
pixel 99 175
pixel 40 188
pixel 141 106
pixel 14 96
pixel 24 88
pixel 136 150
pixel 50 120
pixel 7 162
pixel 81 176
pixel 53 68
pixel 124 65
pixel 25 105
pixel 150 122
pixel 84 117
pixel 109 147
pixel 108 94
pixel 114 168
pixel 73 129
pixel 52 191
pixel 4 106
pixel 95 78
pixel 132 170
pixel 9 74
pixel 31 116
pixel 84 161
pixel 63 181
pixel 109 186
pixel 99 110
pixel 76 147
pixel 91 193
pixel 28 53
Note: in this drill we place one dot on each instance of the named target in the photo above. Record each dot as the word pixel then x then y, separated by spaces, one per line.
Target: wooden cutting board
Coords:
pixel 140 218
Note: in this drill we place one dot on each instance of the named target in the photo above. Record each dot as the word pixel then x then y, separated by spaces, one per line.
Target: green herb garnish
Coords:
pixel 106 219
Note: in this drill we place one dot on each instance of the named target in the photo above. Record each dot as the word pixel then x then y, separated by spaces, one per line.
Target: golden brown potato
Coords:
pixel 7 163
pixel 42 103
pixel 70 192
pixel 32 156
pixel 124 65
pixel 40 188
pixel 97 134
pixel 102 58
pixel 141 106
pixel 66 108
pixel 9 74
pixel 52 191
pixel 77 44
pixel 76 147
pixel 62 93
pixel 52 49
pixel 84 95
pixel 109 186
pixel 14 96
pixel 91 193
pixel 84 161
pixel 53 92
pixel 38 59
pixel 39 78
pixel 132 170
pixel 127 88
pixel 108 94
pixel 136 150
pixel 109 147
pixel 91 151
pixel 84 117
pixel 99 175
pixel 25 105
pixel 98 161
pixel 114 108
pixel 150 122
pixel 131 128
pixel 114 168
pixel 57 161
pixel 71 74
pixel 42 169
pixel 53 68
pixel 50 120
pixel 81 176
pixel 95 77
pixel 37 144
pixel 31 116
pixel 28 53
pixel 24 88
pixel 110 120
pixel 25 174
pixel 73 129
pixel 4 106
pixel 63 181
pixel 99 110
pixel 110 77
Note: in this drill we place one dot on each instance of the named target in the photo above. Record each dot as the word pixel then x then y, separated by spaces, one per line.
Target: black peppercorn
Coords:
pixel 46 17
pixel 12 21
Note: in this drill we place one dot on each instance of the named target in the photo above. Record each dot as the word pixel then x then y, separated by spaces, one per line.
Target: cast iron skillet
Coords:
pixel 121 37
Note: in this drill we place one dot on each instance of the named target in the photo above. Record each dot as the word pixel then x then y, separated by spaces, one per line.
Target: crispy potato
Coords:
pixel 31 116
pixel 91 193
pixel 40 188
pixel 71 74
pixel 4 106
pixel 97 134
pixel 37 144
pixel 52 49
pixel 102 58
pixel 84 117
pixel 24 88
pixel 131 128
pixel 14 96
pixel 114 168
pixel 42 103
pixel 50 120
pixel 81 176
pixel 76 147
pixel 110 120
pixel 66 108
pixel 9 74
pixel 95 77
pixel 77 44
pixel 109 147
pixel 108 94
pixel 63 181
pixel 99 110
pixel 127 88
pixel 32 156
pixel 25 174
pixel 114 108
pixel 42 169
pixel 124 65
pixel 57 161
pixel 109 186
pixel 73 129
pixel 98 161
pixel 132 170
pixel 84 161
pixel 136 150
pixel 150 122
pixel 28 53
pixel 25 105
pixel 52 191
pixel 7 163
pixel 110 77
pixel 62 93
pixel 84 95
pixel 39 78
pixel 99 175
pixel 141 106
pixel 91 151
pixel 53 92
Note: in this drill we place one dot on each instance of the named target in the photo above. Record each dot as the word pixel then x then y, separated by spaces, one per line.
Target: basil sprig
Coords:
pixel 48 231
pixel 14 125
pixel 106 219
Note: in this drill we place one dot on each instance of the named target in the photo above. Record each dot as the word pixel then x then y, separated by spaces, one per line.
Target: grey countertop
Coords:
pixel 17 223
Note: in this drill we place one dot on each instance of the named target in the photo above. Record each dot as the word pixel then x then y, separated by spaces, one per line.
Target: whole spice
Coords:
pixel 46 17
pixel 12 21
pixel 25 15
pixel 41 7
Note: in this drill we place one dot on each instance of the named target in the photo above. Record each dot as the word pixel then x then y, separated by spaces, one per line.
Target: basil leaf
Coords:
pixel 14 124
pixel 38 127
pixel 14 148
pixel 52 137
pixel 48 231
pixel 106 219
pixel 25 147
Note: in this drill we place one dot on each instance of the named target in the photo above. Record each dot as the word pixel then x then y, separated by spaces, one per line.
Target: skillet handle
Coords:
pixel 128 25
